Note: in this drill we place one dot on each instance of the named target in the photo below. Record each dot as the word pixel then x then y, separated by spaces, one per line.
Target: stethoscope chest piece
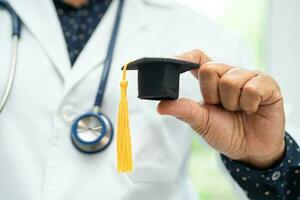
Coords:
pixel 91 132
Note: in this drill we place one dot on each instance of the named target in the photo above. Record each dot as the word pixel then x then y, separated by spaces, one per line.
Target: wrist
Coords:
pixel 268 160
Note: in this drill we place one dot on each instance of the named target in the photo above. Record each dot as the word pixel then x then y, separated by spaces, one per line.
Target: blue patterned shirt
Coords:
pixel 78 24
pixel 280 182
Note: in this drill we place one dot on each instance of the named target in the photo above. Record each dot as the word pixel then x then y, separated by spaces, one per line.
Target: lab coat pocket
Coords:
pixel 160 145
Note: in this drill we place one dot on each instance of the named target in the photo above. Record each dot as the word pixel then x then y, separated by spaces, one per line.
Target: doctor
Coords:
pixel 60 58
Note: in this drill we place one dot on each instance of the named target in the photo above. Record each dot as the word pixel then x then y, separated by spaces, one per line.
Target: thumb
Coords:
pixel 186 110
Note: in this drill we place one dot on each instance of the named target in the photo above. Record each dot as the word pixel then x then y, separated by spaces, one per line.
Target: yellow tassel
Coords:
pixel 124 153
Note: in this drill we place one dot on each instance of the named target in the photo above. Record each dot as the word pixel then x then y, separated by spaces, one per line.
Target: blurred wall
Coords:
pixel 242 18
pixel 283 56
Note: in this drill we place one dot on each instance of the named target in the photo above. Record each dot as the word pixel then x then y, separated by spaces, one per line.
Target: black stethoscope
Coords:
pixel 90 132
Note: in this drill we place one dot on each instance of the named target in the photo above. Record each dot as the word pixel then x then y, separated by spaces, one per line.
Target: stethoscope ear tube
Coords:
pixel 16 24
pixel 16 21
pixel 16 31
pixel 12 72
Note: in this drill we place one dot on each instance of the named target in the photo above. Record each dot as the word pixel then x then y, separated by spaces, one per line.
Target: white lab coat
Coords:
pixel 37 159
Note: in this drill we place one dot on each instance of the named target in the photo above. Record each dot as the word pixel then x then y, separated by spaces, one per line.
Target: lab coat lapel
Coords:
pixel 95 50
pixel 41 19
pixel 38 16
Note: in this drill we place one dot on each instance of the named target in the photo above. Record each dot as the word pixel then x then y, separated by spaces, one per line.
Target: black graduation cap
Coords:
pixel 158 78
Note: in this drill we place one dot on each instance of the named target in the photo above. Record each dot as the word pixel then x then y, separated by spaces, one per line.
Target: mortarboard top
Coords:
pixel 158 78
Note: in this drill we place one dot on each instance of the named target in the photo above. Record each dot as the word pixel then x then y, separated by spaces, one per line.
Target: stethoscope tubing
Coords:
pixel 100 144
pixel 16 31
pixel 12 72
pixel 107 128
pixel 16 21
pixel 109 56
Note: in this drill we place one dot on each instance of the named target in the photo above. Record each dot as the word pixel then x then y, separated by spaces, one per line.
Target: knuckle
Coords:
pixel 228 83
pixel 249 109
pixel 251 90
pixel 197 52
pixel 206 71
pixel 250 99
pixel 274 83
pixel 258 72
pixel 229 103
pixel 197 55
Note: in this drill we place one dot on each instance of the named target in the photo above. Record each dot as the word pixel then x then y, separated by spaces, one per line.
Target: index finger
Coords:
pixel 196 56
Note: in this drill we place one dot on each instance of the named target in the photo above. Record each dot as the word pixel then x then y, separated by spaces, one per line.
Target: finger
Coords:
pixel 186 110
pixel 230 86
pixel 260 90
pixel 209 77
pixel 196 56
